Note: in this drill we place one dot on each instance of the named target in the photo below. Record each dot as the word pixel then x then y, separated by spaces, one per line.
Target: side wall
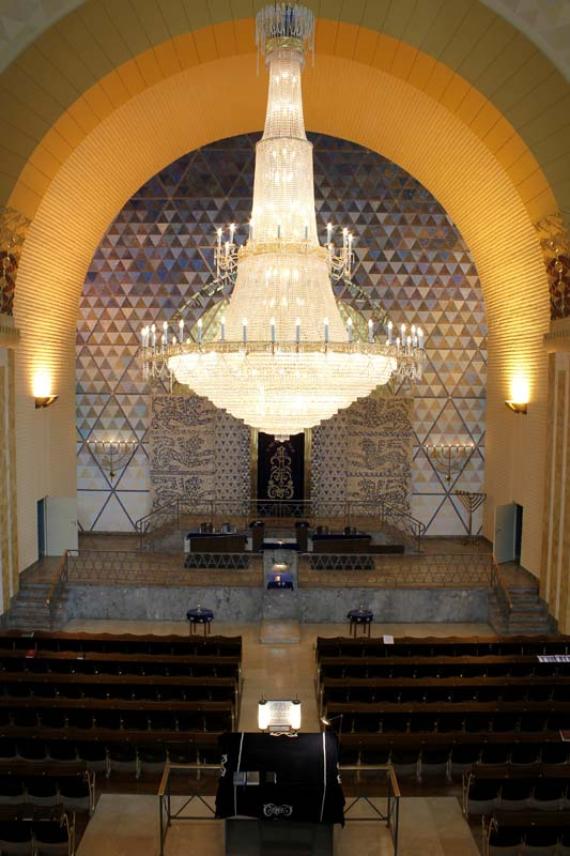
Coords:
pixel 556 545
pixel 8 506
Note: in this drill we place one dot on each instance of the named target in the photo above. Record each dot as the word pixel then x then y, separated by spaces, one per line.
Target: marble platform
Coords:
pixel 245 604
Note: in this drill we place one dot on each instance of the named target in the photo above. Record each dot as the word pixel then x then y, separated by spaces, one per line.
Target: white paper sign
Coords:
pixel 279 715
pixel 388 640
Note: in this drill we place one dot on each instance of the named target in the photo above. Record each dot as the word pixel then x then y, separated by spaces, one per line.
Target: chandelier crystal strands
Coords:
pixel 280 355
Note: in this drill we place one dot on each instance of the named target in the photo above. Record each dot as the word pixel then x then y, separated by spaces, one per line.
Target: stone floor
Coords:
pixel 127 825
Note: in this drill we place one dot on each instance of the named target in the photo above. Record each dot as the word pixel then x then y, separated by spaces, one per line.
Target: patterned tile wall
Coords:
pixel 158 250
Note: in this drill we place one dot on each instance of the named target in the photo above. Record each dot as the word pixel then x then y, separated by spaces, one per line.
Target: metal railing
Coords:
pixel 430 570
pixel 219 561
pixel 130 567
pixel 379 512
pixel 390 816
pixel 501 590
pixel 58 583
pixel 166 813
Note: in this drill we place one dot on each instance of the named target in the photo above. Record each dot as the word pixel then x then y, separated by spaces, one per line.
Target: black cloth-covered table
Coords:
pixel 298 778
pixel 200 615
pixel 281 581
pixel 358 617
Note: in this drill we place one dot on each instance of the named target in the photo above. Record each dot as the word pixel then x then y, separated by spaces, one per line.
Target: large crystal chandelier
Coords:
pixel 283 354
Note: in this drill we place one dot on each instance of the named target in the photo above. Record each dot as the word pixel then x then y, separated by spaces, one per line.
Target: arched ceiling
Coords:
pixel 95 58
pixel 22 21
pixel 544 22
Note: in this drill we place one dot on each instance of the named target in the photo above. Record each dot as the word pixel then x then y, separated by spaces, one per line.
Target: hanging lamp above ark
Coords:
pixel 283 354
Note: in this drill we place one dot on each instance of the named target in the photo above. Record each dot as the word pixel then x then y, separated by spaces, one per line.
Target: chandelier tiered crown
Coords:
pixel 282 354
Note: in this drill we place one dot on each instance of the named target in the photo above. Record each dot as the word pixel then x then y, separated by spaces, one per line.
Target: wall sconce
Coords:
pixel 42 389
pixel 45 400
pixel 518 402
pixel 112 454
pixel 449 459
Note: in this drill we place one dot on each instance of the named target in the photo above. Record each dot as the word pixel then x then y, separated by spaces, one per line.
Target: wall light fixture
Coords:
pixel 45 400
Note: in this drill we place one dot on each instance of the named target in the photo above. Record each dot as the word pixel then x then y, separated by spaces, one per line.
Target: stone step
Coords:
pixel 526 622
pixel 29 625
pixel 527 625
pixel 280 605
pixel 29 610
pixel 35 585
pixel 22 614
pixel 534 615
pixel 37 592
pixel 529 614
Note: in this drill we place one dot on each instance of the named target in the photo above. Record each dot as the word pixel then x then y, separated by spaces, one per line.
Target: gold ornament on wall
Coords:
pixel 554 239
pixel 13 228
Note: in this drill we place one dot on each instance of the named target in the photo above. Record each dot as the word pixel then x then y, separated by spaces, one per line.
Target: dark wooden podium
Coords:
pixel 279 794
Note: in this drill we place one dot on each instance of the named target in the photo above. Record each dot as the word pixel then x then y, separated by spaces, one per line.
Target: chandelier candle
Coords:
pixel 281 279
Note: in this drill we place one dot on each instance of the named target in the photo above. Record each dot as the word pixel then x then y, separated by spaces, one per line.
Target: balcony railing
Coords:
pixel 378 514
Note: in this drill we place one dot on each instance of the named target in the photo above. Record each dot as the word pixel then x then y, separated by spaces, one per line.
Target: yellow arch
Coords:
pixel 221 97
pixel 497 70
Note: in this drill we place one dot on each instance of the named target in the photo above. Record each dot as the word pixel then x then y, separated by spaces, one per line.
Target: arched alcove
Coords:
pixel 163 121
pixel 158 251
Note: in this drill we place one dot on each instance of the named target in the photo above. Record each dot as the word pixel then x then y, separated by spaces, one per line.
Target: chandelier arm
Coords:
pixel 207 291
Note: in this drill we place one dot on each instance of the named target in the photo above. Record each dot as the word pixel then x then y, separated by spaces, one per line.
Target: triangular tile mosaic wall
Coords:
pixel 159 250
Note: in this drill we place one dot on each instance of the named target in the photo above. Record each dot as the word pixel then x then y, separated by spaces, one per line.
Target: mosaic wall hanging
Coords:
pixel 158 250
pixel 364 453
pixel 196 451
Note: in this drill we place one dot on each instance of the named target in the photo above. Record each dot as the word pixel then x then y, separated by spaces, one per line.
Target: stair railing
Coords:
pixel 167 514
pixel 501 591
pixel 58 583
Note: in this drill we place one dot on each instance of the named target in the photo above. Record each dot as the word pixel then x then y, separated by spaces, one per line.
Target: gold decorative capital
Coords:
pixel 554 238
pixel 553 235
pixel 13 229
